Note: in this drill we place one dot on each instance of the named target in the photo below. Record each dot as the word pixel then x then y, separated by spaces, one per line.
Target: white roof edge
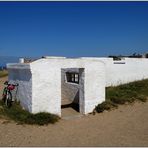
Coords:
pixel 18 65
pixel 54 57
pixel 89 58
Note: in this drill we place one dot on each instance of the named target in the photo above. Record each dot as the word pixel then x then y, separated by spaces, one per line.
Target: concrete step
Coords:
pixel 70 112
pixel 72 117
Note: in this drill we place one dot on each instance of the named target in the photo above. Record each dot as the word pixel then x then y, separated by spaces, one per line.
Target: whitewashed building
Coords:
pixel 45 82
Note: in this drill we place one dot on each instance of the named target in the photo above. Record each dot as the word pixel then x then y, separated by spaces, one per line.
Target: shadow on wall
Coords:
pixel 76 98
pixel 69 90
pixel 74 104
pixel 20 74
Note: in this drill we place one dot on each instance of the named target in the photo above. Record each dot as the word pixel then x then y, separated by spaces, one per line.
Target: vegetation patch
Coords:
pixel 126 93
pixel 106 105
pixel 3 73
pixel 21 116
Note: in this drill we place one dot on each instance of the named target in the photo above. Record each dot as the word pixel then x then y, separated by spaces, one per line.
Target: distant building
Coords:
pixel 26 60
pixel 3 67
pixel 145 55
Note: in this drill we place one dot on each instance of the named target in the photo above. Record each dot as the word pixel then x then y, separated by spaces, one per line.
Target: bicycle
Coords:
pixel 7 95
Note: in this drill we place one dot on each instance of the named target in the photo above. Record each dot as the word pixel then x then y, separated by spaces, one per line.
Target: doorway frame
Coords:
pixel 81 101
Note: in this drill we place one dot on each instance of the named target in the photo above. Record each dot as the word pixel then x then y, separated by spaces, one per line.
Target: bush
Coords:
pixel 106 105
pixel 41 118
pixel 21 116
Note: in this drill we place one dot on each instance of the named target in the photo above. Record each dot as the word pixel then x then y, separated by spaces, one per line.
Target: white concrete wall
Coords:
pixel 46 87
pixel 94 85
pixel 118 73
pixel 21 74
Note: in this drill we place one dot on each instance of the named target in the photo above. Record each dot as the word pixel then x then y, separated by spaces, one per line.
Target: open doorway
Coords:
pixel 72 91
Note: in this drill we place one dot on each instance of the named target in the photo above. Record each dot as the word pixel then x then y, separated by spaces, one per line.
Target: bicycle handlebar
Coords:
pixel 7 83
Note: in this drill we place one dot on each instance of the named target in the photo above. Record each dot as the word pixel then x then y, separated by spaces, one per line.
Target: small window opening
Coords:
pixel 72 77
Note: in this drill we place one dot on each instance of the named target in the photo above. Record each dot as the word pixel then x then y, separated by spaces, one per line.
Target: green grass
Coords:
pixel 17 114
pixel 3 73
pixel 126 93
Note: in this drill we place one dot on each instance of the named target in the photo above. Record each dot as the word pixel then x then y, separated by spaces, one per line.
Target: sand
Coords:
pixel 2 80
pixel 125 126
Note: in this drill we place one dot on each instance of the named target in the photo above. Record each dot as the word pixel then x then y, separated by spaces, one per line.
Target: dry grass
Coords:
pixel 3 73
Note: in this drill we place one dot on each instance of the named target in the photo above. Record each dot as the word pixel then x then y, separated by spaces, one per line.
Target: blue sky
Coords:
pixel 73 29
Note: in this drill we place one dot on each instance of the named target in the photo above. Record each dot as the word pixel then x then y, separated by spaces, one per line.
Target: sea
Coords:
pixel 7 59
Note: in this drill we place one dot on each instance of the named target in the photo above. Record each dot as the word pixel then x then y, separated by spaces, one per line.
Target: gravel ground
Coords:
pixel 125 126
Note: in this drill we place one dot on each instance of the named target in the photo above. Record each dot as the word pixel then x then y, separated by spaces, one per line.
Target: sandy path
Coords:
pixel 125 126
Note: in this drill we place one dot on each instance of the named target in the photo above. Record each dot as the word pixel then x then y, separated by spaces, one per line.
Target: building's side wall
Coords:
pixel 119 73
pixel 46 88
pixel 24 93
pixel 94 85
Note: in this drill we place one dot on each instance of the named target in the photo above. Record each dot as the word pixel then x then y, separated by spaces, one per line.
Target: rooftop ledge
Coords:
pixel 53 57
pixel 18 65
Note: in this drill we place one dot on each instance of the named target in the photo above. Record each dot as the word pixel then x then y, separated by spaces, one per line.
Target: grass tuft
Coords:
pixel 21 116
pixel 106 105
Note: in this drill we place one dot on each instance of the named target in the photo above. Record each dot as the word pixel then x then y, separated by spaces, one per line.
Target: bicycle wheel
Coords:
pixel 8 101
pixel 4 94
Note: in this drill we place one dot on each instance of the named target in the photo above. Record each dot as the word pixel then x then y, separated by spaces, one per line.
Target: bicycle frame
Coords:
pixel 7 95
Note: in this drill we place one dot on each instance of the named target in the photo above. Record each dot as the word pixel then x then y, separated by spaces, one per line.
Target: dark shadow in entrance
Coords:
pixel 75 106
